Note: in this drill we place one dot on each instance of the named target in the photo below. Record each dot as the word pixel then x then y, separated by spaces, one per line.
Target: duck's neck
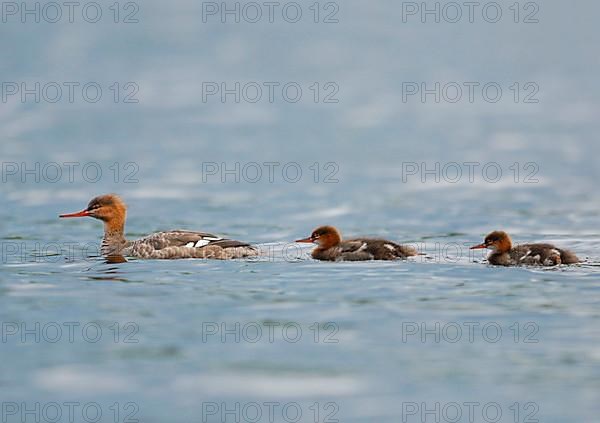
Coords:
pixel 114 239
pixel 329 241
pixel 505 246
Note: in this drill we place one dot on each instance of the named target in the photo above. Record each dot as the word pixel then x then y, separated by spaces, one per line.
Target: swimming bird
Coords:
pixel 331 247
pixel 504 254
pixel 178 244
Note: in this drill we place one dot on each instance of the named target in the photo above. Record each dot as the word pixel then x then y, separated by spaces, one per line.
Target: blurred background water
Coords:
pixel 364 159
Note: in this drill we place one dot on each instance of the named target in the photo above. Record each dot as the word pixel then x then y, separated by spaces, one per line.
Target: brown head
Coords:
pixel 109 208
pixel 324 236
pixel 499 241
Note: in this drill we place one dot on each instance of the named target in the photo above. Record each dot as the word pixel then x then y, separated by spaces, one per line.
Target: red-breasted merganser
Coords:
pixel 162 245
pixel 332 248
pixel 504 254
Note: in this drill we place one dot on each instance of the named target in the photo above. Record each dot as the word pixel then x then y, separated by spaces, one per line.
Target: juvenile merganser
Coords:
pixel 332 248
pixel 504 254
pixel 162 245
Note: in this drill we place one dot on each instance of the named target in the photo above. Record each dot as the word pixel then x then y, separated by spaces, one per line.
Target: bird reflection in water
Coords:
pixel 110 273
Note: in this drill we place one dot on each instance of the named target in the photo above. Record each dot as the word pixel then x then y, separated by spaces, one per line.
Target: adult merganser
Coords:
pixel 332 248
pixel 504 254
pixel 162 245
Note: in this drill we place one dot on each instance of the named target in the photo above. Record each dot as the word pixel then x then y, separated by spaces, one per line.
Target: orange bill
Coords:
pixel 82 213
pixel 478 247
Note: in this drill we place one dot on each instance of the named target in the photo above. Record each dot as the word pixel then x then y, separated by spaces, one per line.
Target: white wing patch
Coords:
pixel 362 247
pixel 203 242
pixel 207 240
pixel 525 256
pixel 389 247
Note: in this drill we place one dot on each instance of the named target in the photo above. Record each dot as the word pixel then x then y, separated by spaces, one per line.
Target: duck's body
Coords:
pixel 504 254
pixel 185 244
pixel 533 255
pixel 162 245
pixel 360 249
pixel 331 247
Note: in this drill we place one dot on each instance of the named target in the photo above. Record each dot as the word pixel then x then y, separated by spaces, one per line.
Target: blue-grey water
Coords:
pixel 441 337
